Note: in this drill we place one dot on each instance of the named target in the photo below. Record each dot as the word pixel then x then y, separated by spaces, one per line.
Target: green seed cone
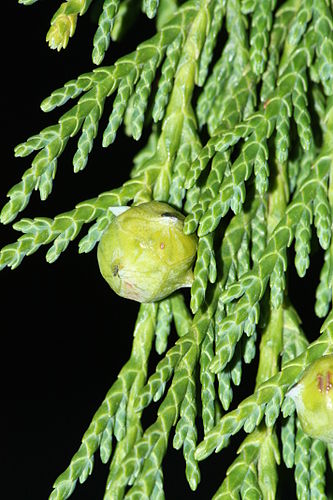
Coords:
pixel 313 397
pixel 144 254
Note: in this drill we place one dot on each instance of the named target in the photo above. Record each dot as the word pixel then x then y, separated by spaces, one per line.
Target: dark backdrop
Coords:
pixel 65 335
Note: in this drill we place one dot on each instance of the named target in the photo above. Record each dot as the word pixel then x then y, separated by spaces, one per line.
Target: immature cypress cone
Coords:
pixel 144 254
pixel 313 396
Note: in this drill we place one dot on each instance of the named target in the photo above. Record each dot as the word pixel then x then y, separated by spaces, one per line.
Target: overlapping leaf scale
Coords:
pixel 163 325
pixel 181 315
pixel 324 290
pixel 233 104
pixel 231 244
pixel 231 112
pixel 294 340
pixel 317 469
pixel 189 147
pixel 166 79
pixel 186 434
pixel 130 426
pixel 158 492
pixel 211 39
pixel 180 168
pixel 45 181
pixel 166 10
pixel 243 317
pixel 294 343
pixel 288 441
pixel 63 23
pixel 261 168
pixel 140 97
pixel 207 378
pixel 231 374
pixel 278 280
pixel 302 462
pixel 102 36
pixel 301 113
pixel 319 103
pixel 139 466
pixel 259 231
pixel 249 347
pixel 250 487
pixel 282 137
pixel 192 198
pixel 150 7
pixel 125 89
pixel 281 27
pixel 304 164
pixel 183 144
pixel 88 134
pixel 300 23
pixel 237 27
pixel 259 36
pixel 88 242
pixel 120 417
pixel 322 216
pixel 105 447
pixel 303 242
pixel 187 410
pixel 269 459
pixel 71 90
pixel 248 6
pixel 147 152
pixel 215 82
pixel 243 254
pixel 145 483
pixel 225 391
pixel 238 471
pixel 293 168
pixel 204 271
pixel 292 72
pixel 323 25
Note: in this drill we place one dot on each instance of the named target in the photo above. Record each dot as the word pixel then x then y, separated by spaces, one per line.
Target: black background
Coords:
pixel 65 335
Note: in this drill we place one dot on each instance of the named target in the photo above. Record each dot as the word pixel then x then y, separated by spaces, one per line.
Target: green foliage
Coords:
pixel 237 99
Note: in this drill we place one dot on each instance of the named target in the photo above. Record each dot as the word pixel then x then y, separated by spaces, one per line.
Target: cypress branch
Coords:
pixel 232 103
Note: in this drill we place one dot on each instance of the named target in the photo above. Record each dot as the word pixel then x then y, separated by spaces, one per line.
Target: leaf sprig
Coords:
pixel 238 100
